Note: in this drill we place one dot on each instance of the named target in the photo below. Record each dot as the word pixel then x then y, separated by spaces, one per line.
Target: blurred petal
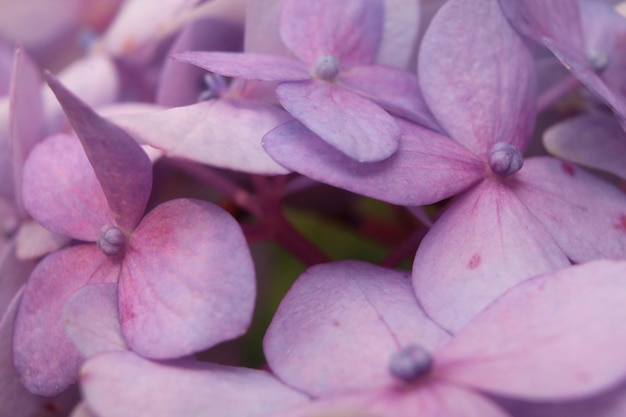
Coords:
pixel 91 320
pixel 62 192
pixel 484 243
pixel 26 117
pixel 350 123
pixel 339 325
pixel 585 214
pixel 15 400
pixel 34 241
pixel 13 274
pixel 490 102
pixel 262 28
pixel 432 167
pixel 347 29
pixel 45 358
pixel 187 280
pixel 247 66
pixel 552 337
pixel 400 30
pixel 223 133
pixel 81 410
pixel 395 90
pixel 593 140
pixel 124 384
pixel 123 169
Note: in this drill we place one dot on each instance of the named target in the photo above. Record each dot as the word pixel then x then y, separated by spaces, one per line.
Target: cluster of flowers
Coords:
pixel 110 285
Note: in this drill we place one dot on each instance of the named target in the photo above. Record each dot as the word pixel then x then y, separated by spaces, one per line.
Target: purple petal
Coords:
pixel 431 166
pixel 478 76
pixel 472 254
pixel 15 399
pixel 339 325
pixel 346 29
pixel 26 116
pixel 553 337
pixel 395 90
pixel 223 133
pixel 247 66
pixel 123 169
pixel 350 123
pixel 124 384
pixel 45 358
pixel 187 280
pixel 585 214
pixel 62 192
pixel 593 140
pixel 91 320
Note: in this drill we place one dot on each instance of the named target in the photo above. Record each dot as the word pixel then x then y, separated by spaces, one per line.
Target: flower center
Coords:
pixel 111 241
pixel 598 59
pixel 327 67
pixel 505 159
pixel 214 86
pixel 410 363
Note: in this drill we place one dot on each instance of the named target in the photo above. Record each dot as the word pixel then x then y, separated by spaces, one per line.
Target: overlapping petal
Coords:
pixel 480 95
pixel 187 281
pixel 361 313
pixel 426 168
pixel 124 384
pixel 484 243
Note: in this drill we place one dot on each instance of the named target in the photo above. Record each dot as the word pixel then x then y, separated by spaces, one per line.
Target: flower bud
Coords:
pixel 327 67
pixel 410 363
pixel 505 159
pixel 111 241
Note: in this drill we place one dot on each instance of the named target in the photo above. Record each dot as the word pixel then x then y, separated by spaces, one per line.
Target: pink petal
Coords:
pixel 187 280
pixel 400 31
pixel 121 166
pixel 473 254
pixel 91 320
pixel 262 28
pixel 350 123
pixel 593 140
pixel 247 66
pixel 62 192
pixel 430 399
pixel 45 358
pixel 395 90
pixel 15 400
pixel 553 337
pixel 432 166
pixel 26 116
pixel 339 325
pixel 124 384
pixel 585 214
pixel 224 133
pixel 347 29
pixel 34 241
pixel 488 103
pixel 81 410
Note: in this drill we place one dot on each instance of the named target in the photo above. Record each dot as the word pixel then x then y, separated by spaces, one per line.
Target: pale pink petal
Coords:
pixel 123 169
pixel 553 337
pixel 432 166
pixel 13 274
pixel 478 104
pixel 62 192
pixel 339 325
pixel 262 28
pixel 225 133
pixel 593 140
pixel 79 77
pixel 34 241
pixel 347 29
pixel 347 121
pixel 400 29
pixel 585 214
pixel 15 400
pixel 124 384
pixel 429 399
pixel 91 320
pixel 81 410
pixel 395 90
pixel 247 66
pixel 26 117
pixel 6 67
pixel 187 280
pixel 484 243
pixel 45 358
